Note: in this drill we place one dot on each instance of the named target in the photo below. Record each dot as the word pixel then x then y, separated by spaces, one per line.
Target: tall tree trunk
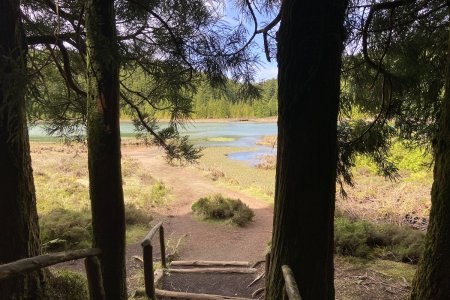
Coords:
pixel 432 279
pixel 310 42
pixel 108 220
pixel 19 230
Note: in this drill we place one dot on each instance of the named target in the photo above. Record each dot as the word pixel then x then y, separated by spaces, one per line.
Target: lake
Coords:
pixel 208 134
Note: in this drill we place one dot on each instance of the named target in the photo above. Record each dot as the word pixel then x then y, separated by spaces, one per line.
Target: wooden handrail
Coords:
pixel 147 256
pixel 148 238
pixel 93 271
pixel 290 286
pixel 38 262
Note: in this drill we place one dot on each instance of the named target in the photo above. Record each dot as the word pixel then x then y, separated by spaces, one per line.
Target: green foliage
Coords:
pixel 64 284
pixel 136 216
pixel 63 229
pixel 159 192
pixel 368 240
pixel 217 207
pixel 225 103
pixel 415 159
pixel 411 160
pixel 394 89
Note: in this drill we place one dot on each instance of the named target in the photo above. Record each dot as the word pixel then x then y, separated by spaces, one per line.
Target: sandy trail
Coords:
pixel 202 240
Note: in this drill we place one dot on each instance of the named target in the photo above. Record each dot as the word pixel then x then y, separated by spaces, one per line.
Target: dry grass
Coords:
pixel 267 162
pixel 372 197
pixel 372 280
pixel 62 187
pixel 268 140
pixel 378 200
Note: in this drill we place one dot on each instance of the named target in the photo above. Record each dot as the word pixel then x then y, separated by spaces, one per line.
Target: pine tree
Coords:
pixel 19 234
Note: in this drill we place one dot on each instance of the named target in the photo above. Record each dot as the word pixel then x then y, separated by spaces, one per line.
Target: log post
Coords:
pixel 148 271
pixel 94 277
pixel 290 290
pixel 163 247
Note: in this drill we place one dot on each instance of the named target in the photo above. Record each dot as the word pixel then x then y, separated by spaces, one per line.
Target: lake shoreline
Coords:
pixel 223 120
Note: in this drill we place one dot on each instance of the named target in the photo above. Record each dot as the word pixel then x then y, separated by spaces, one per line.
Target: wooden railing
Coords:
pixel 290 290
pixel 92 265
pixel 147 256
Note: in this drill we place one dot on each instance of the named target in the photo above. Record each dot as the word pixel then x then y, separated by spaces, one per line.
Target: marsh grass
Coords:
pixel 237 175
pixel 221 139
pixel 62 189
pixel 267 162
pixel 268 140
pixel 372 197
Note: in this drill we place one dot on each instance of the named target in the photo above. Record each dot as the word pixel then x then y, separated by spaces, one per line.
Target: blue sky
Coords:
pixel 267 70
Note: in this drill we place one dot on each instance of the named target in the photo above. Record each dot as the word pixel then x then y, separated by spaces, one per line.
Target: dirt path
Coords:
pixel 202 240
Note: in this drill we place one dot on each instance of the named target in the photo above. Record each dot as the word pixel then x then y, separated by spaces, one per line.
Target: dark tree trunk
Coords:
pixel 310 42
pixel 19 230
pixel 432 279
pixel 105 178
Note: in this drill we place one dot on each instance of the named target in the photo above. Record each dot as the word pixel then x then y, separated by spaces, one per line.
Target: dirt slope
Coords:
pixel 204 240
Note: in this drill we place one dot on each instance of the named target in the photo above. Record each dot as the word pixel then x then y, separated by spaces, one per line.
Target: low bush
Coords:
pixel 368 240
pixel 63 229
pixel 159 192
pixel 135 215
pixel 217 207
pixel 64 284
pixel 267 162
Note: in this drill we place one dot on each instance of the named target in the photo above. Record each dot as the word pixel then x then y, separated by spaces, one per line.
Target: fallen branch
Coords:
pixel 258 291
pixel 262 275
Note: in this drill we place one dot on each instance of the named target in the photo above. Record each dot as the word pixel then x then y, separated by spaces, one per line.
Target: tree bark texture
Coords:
pixel 310 43
pixel 432 279
pixel 108 220
pixel 19 232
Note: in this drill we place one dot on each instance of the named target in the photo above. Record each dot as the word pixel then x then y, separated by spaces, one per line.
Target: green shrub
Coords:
pixel 217 207
pixel 136 216
pixel 64 284
pixel 63 229
pixel 387 241
pixel 159 192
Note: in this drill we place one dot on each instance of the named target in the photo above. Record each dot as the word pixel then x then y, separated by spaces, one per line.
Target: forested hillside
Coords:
pixel 208 102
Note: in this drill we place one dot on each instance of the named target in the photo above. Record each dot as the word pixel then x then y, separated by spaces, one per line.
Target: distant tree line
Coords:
pixel 226 101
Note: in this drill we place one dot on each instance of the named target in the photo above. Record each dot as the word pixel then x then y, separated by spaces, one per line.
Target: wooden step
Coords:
pixel 214 270
pixel 210 263
pixel 193 296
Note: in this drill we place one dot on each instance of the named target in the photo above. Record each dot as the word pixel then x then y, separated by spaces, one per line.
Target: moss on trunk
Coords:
pixel 108 217
pixel 432 279
pixel 19 234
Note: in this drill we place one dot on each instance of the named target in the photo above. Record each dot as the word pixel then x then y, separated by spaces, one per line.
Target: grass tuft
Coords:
pixel 267 162
pixel 386 241
pixel 136 216
pixel 64 284
pixel 217 207
pixel 64 229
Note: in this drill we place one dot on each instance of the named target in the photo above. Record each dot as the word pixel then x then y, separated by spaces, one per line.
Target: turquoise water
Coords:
pixel 243 135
